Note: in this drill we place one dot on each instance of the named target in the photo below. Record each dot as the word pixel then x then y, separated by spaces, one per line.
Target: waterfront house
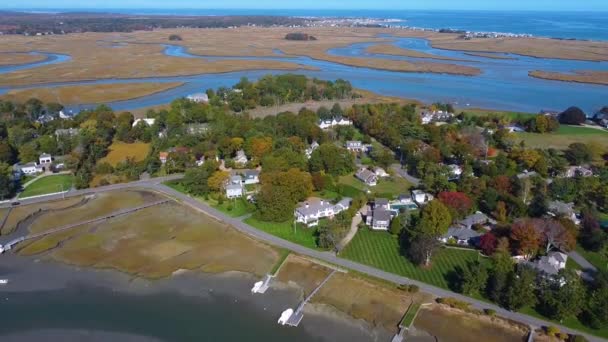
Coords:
pixel 147 121
pixel 234 191
pixel 241 158
pixel 367 177
pixel 252 177
pixel 198 97
pixel 334 122
pixel 421 198
pixel 311 211
pixel 45 159
pixel 381 219
pixel 437 116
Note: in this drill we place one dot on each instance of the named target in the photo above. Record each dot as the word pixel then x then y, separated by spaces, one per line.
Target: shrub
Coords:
pixel 490 312
pixel 552 331
pixel 572 116
pixel 175 37
pixel 413 288
pixel 454 303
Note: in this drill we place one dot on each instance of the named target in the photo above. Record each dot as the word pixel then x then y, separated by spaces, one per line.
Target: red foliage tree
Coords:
pixel 526 237
pixel 458 202
pixel 488 243
pixel 502 184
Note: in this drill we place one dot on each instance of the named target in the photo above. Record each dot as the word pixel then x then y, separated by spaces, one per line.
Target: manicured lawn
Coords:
pixel 234 208
pixel 597 259
pixel 48 185
pixel 381 250
pixel 120 151
pixel 572 323
pixel 510 115
pixel 285 230
pixel 572 265
pixel 387 187
pixel 565 136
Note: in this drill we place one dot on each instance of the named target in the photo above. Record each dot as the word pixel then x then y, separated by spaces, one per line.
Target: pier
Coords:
pixel 9 245
pixel 296 317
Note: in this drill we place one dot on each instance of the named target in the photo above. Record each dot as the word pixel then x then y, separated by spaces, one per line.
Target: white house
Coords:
pixel 310 212
pixel 380 172
pixel 515 129
pixel 198 97
pixel 574 171
pixel 455 171
pixel 234 191
pixel 241 158
pixel 334 122
pixel 29 168
pixel 311 149
pixel 236 180
pixel 148 121
pixel 550 264
pixel 381 219
pixel 252 177
pixel 436 116
pixel 45 159
pixel 367 177
pixel 420 197
pixel 356 146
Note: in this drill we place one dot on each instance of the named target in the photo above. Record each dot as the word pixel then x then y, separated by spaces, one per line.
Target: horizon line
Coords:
pixel 16 9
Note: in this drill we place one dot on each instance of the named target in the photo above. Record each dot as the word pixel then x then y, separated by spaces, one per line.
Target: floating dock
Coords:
pixel 262 285
pixel 296 316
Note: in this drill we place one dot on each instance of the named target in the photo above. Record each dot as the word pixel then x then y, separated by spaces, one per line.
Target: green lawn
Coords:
pixel 572 265
pixel 387 187
pixel 233 208
pixel 410 315
pixel 571 322
pixel 285 230
pixel 381 250
pixel 48 185
pixel 565 136
pixel 596 259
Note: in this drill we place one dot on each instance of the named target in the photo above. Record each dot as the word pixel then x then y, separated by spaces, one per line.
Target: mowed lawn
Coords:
pixel 381 250
pixel 565 136
pixel 285 230
pixel 387 187
pixel 48 185
pixel 120 151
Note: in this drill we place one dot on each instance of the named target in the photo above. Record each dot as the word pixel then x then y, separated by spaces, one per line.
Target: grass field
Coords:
pixel 381 250
pixel 120 151
pixel 285 230
pixel 387 187
pixel 411 314
pixel 48 185
pixel 233 208
pixel 597 259
pixel 565 136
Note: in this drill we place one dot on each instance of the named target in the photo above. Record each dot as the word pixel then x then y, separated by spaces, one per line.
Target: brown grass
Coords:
pixel 20 213
pixel 579 76
pixel 19 58
pixel 306 274
pixel 453 325
pixel 120 151
pixel 100 93
pixel 388 49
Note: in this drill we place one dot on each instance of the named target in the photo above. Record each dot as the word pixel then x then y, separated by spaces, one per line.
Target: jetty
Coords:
pixel 293 318
pixel 9 245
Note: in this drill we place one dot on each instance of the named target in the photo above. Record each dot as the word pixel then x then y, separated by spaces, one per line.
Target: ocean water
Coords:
pixel 572 25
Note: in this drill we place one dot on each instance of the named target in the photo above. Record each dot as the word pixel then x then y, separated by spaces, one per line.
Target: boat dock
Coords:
pixel 296 317
pixel 263 285
pixel 9 245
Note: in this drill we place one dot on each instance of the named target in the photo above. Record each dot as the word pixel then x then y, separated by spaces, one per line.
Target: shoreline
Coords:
pixel 32 275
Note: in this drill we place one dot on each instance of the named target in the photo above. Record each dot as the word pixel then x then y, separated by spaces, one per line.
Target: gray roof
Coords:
pixel 322 205
pixel 561 208
pixel 461 233
pixel 381 215
pixel 381 201
pixel 354 143
pixel 233 187
pixel 544 263
pixel 477 218
pixel 45 155
pixel 251 173
pixel 365 174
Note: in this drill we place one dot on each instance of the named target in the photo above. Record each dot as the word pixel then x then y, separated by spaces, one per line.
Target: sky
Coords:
pixel 544 5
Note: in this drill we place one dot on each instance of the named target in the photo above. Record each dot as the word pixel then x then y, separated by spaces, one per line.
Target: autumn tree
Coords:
pixel 217 180
pixel 488 243
pixel 459 203
pixel 259 147
pixel 280 193
pixel 555 235
pixel 332 159
pixel 433 223
pixel 526 238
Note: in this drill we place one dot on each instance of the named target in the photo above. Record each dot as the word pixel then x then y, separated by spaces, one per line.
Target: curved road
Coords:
pixel 156 185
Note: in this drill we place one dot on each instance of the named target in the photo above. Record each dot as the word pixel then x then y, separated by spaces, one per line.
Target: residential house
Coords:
pixel 437 116
pixel 527 174
pixel 462 235
pixel 478 218
pixel 311 149
pixel 550 264
pixel 515 129
pixel 29 168
pixel 66 114
pixel 381 203
pixel 45 118
pixel 252 177
pixel 198 97
pixel 163 156
pixel 559 208
pixel 241 158
pixel 381 219
pixel 234 191
pixel 45 159
pixel 70 132
pixel 147 121
pixel 380 172
pixel 574 171
pixel 310 212
pixel 236 180
pixel 421 198
pixel 334 122
pixel 601 118
pixel 455 171
pixel 356 146
pixel 200 161
pixel 367 177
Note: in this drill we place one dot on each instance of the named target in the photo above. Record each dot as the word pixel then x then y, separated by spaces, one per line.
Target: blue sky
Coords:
pixel 553 5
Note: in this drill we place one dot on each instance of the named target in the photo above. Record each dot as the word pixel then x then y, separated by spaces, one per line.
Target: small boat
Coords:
pixel 285 316
pixel 257 286
pixel 3 281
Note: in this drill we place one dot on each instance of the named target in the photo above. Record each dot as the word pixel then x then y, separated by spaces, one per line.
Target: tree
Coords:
pixel 280 193
pixel 473 278
pixel 196 179
pixel 332 159
pixel 501 212
pixel 396 225
pixel 218 180
pixel 502 268
pixel 539 205
pixel 526 238
pixel 28 152
pixel 596 311
pixel 572 116
pixel 434 220
pixel 260 146
pixel 562 296
pixel 422 248
pixel 557 236
pixel 579 153
pixel 520 288
pixel 459 203
pixel 488 243
pixel 592 237
pixel 7 185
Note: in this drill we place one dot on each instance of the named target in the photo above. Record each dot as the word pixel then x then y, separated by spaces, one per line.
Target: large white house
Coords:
pixel 148 121
pixel 45 159
pixel 29 168
pixel 379 218
pixel 356 146
pixel 436 116
pixel 334 122
pixel 421 197
pixel 198 97
pixel 310 212
pixel 367 177
pixel 234 191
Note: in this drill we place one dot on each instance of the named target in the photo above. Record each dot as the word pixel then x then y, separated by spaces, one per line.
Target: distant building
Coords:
pixel 70 132
pixel 197 128
pixel 437 116
pixel 29 168
pixel 380 172
pixel 367 177
pixel 581 171
pixel 147 121
pixel 310 212
pixel 562 209
pixel 356 146
pixel 308 152
pixel 198 97
pixel 45 159
pixel 163 156
pixel 462 235
pixel 334 122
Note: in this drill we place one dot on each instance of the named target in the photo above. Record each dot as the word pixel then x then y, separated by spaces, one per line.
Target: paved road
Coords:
pixel 156 184
pixel 403 173
pixel 586 265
